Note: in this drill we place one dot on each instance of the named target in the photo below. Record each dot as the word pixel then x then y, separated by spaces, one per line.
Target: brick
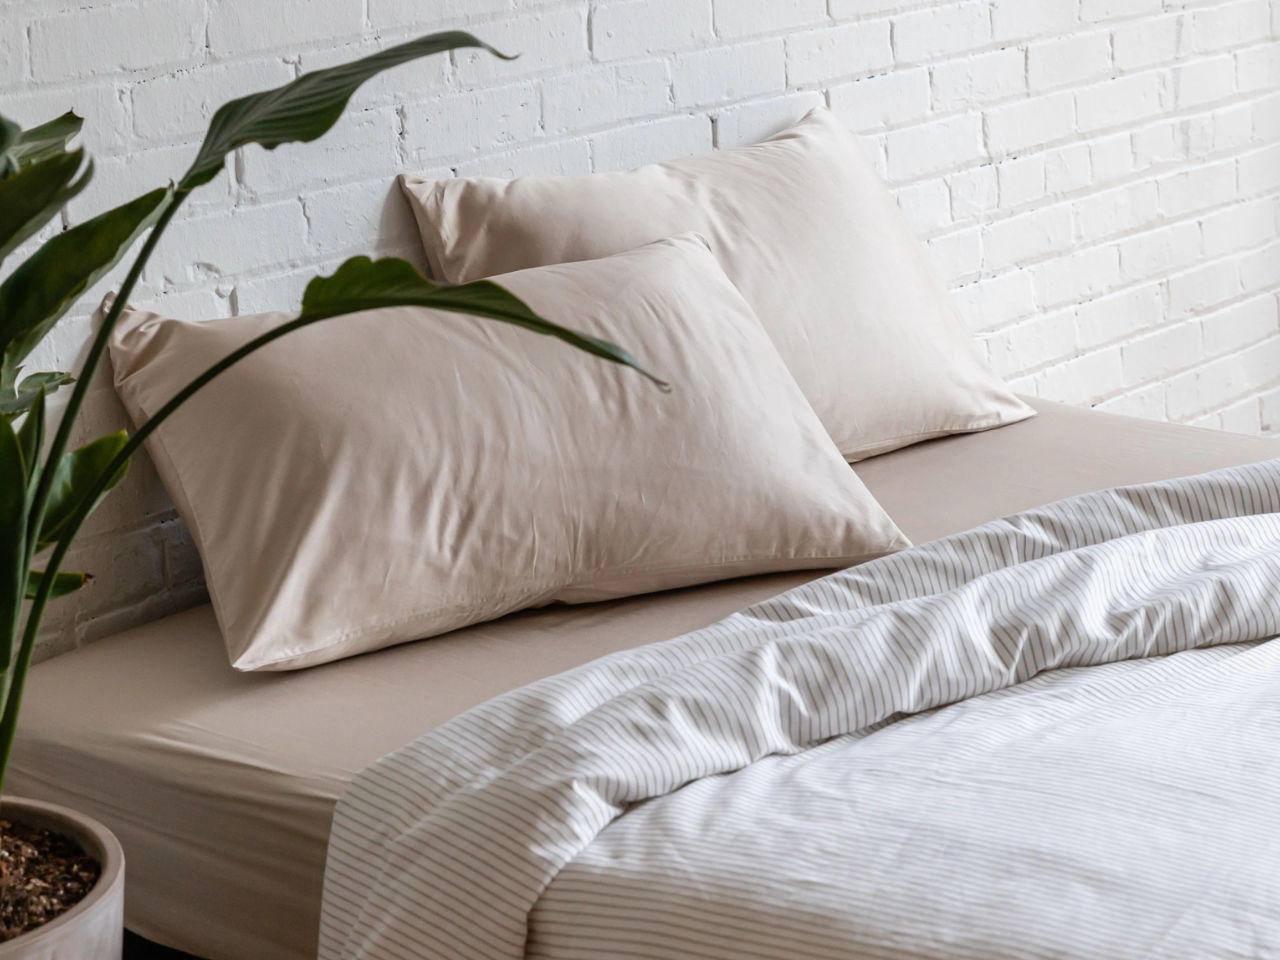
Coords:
pixel 974 192
pixel 729 73
pixel 1223 379
pixel 1161 353
pixel 1243 416
pixel 1145 402
pixel 1045 338
pixel 1233 127
pixel 1119 101
pixel 1068 168
pixel 1206 286
pixel 548 39
pixel 1258 67
pixel 887 98
pixel 654 140
pixel 957 256
pixel 1226 25
pixel 1270 411
pixel 1258 269
pixel 1240 227
pixel 404 14
pixel 846 50
pixel 106 118
pixel 277 291
pixel 927 35
pixel 1094 10
pixel 1069 60
pixel 1157 143
pixel 1078 275
pixel 94 41
pixel 1204 81
pixel 1266 119
pixel 1259 171
pixel 479 121
pixel 933 147
pixel 1111 158
pixel 746 123
pixel 1197 188
pixel 1156 253
pixel 236 28
pixel 635 28
pixel 1146 42
pixel 558 159
pixel 926 205
pixel 851 9
pixel 1030 123
pixel 1240 325
pixel 740 18
pixel 994 302
pixel 229 243
pixel 1021 180
pixel 117 180
pixel 178 106
pixel 125 569
pixel 341 218
pixel 980 79
pixel 1197 132
pixel 1027 237
pixel 1119 315
pixel 1019 19
pixel 360 145
pixel 1117 211
pixel 13 47
pixel 1085 379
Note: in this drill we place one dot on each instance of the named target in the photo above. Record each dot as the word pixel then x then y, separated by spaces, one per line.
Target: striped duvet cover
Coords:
pixel 1055 735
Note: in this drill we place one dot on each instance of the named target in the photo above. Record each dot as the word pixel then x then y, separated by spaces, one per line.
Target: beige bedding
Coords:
pixel 221 784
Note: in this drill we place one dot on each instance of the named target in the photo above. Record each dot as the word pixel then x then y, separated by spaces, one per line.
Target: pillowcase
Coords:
pixel 403 472
pixel 803 226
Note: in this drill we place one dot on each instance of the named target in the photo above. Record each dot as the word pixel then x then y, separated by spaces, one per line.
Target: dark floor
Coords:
pixel 135 948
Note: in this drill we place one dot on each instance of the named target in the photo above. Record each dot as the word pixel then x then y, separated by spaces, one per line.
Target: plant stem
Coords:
pixel 59 445
pixel 14 679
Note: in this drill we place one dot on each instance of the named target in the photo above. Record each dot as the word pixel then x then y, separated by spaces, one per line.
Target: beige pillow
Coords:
pixel 805 229
pixel 404 472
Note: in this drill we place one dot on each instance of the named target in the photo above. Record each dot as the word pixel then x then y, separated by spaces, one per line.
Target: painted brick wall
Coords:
pixel 1098 180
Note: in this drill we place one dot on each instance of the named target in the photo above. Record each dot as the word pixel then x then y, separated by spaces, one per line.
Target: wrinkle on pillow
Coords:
pixel 400 473
pixel 809 234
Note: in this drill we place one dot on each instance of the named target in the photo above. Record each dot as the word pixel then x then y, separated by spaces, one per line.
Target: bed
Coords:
pixel 222 785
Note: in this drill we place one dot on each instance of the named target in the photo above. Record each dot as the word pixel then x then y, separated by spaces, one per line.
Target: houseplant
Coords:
pixel 46 490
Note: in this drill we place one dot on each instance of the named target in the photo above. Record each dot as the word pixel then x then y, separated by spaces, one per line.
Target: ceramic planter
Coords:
pixel 94 928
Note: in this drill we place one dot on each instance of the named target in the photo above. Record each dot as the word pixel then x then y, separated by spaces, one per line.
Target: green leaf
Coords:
pixel 76 473
pixel 35 194
pixel 8 134
pixel 41 142
pixel 31 437
pixel 36 295
pixel 364 284
pixel 304 109
pixel 13 540
pixel 16 401
pixel 63 583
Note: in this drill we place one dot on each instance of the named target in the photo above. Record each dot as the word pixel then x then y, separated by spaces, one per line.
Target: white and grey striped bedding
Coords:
pixel 1055 735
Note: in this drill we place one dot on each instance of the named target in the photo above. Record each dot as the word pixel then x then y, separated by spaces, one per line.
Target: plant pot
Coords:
pixel 94 928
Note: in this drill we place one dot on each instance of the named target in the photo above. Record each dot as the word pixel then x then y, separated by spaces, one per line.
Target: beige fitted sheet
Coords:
pixel 221 785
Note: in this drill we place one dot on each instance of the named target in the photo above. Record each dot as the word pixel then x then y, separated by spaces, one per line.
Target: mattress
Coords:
pixel 221 785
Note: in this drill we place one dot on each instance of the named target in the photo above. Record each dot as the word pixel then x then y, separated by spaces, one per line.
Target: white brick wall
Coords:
pixel 1098 180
